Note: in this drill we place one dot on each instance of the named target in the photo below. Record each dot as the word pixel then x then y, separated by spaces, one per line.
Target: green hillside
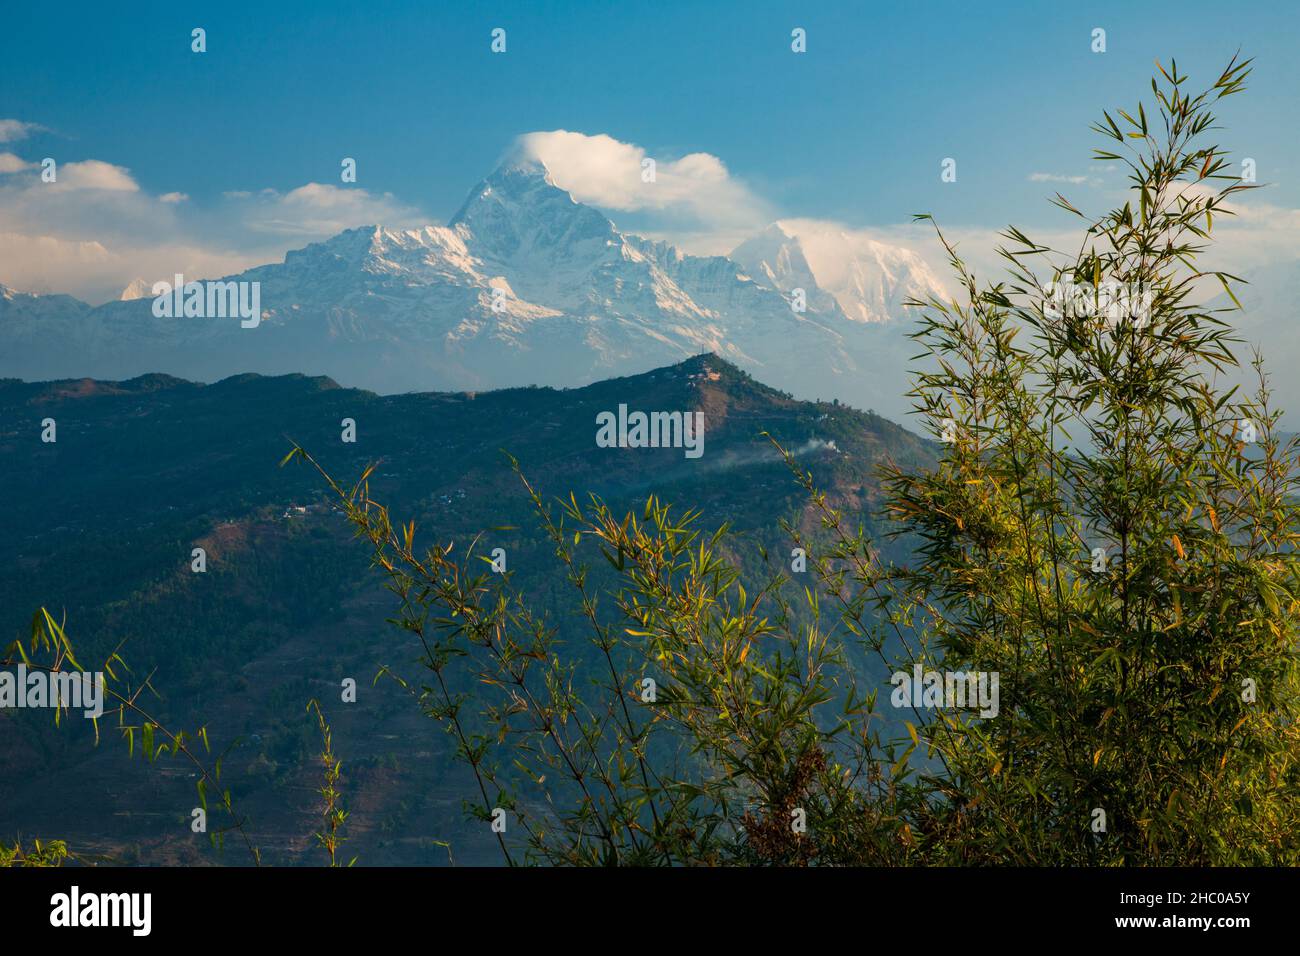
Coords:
pixel 102 522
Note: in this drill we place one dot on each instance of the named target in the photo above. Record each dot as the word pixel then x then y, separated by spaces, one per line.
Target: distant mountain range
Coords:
pixel 523 286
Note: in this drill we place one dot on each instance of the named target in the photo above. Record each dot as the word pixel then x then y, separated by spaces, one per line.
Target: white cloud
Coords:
pixel 10 163
pixel 94 174
pixel 318 210
pixel 95 229
pixel 833 251
pixel 97 271
pixel 607 173
pixel 1057 178
pixel 12 130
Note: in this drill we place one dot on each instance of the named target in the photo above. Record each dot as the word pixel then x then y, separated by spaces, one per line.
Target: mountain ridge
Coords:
pixel 525 285
pixel 102 525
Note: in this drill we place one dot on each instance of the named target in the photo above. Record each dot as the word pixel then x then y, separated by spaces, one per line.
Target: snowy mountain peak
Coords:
pixel 868 279
pixel 518 214
pixel 775 232
pixel 518 182
pixel 522 165
pixel 137 289
pixel 524 285
pixel 776 259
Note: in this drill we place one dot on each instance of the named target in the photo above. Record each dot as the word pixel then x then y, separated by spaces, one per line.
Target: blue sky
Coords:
pixel 853 130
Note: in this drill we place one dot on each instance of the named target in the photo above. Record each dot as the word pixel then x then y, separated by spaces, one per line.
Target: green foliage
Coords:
pixel 332 813
pixel 52 853
pixel 1159 691
pixel 750 720
pixel 49 650
pixel 1123 687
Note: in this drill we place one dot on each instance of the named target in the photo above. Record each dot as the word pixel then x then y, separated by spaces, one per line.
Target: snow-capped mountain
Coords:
pixel 869 280
pixel 136 289
pixel 776 259
pixel 524 286
pixel 28 320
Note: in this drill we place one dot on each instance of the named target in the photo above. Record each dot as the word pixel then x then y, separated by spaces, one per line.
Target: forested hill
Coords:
pixel 101 524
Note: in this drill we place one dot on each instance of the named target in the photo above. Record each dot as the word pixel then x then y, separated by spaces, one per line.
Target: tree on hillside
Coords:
pixel 1111 532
